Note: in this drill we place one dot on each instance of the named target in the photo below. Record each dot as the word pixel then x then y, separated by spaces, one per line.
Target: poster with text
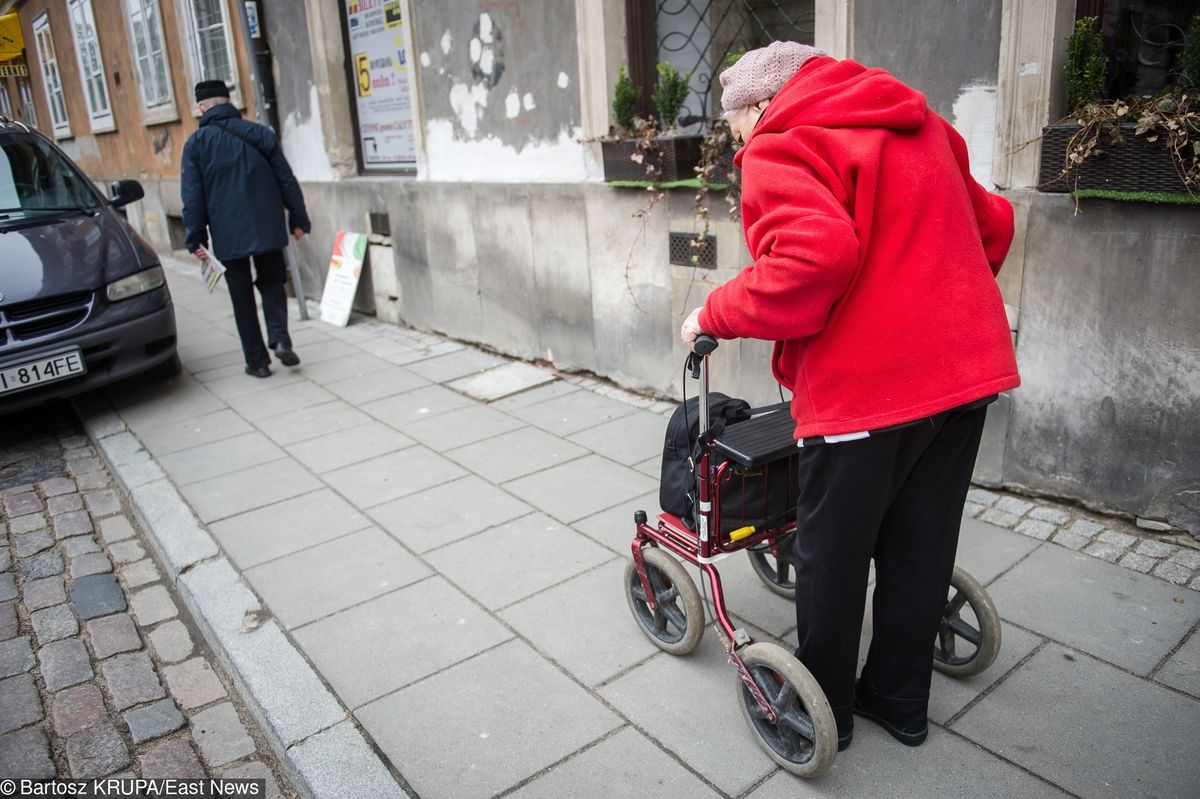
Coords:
pixel 380 64
pixel 341 284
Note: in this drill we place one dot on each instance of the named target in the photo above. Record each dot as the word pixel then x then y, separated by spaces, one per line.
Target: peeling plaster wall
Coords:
pixel 948 49
pixel 296 95
pixel 499 91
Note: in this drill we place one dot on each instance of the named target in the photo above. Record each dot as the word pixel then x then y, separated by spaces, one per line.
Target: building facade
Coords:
pixel 463 138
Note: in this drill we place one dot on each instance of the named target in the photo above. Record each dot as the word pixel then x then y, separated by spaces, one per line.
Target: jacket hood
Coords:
pixel 843 94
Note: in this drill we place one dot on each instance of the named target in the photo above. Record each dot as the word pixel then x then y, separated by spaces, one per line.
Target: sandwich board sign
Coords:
pixel 345 268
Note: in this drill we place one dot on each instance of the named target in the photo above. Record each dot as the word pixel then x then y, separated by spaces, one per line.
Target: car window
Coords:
pixel 34 177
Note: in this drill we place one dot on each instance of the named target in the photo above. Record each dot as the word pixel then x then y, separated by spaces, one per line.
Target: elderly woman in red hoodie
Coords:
pixel 875 255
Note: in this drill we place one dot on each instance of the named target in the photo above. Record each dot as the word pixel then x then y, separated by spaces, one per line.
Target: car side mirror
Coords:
pixel 125 192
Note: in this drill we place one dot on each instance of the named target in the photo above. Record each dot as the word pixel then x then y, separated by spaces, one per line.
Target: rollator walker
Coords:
pixel 780 700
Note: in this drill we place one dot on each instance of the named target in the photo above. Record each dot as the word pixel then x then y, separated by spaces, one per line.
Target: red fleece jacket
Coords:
pixel 875 255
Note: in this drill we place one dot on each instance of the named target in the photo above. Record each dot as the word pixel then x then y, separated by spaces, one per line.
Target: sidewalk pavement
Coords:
pixel 409 554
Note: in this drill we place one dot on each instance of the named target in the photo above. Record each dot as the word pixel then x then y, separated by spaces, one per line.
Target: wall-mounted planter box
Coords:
pixel 1136 165
pixel 678 157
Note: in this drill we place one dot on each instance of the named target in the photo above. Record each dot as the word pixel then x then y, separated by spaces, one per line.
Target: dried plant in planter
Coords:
pixel 715 169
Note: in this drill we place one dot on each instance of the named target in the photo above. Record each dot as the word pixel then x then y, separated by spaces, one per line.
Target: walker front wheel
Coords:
pixel 803 737
pixel 677 625
pixel 968 639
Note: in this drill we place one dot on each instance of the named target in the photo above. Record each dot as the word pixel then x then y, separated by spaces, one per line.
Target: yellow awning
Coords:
pixel 12 43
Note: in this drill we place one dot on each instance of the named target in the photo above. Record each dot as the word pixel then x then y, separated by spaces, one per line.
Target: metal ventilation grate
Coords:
pixel 682 250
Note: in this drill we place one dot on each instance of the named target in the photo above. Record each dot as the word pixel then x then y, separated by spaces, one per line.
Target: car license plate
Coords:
pixel 44 370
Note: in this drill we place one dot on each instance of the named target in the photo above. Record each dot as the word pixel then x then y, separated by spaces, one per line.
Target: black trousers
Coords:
pixel 896 498
pixel 271 273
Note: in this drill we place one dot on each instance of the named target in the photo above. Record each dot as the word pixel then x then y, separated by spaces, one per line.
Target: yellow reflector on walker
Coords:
pixel 742 532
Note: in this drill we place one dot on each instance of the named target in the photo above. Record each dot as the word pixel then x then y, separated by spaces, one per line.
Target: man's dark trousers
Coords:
pixel 896 497
pixel 271 273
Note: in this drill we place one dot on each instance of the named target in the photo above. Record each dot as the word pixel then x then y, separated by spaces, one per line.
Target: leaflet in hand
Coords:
pixel 211 270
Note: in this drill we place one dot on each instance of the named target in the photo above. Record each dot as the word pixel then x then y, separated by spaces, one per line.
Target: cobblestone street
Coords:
pixel 100 672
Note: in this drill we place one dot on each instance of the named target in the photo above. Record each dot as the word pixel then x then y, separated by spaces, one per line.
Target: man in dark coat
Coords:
pixel 236 183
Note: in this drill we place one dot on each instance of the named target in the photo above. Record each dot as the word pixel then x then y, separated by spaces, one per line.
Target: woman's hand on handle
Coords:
pixel 690 329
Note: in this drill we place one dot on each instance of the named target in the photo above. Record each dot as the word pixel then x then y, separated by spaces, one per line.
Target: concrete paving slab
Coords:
pixel 221 457
pixel 573 413
pixel 690 705
pixel 987 551
pixel 417 350
pixel 614 527
pixel 580 488
pixel 948 695
pixel 288 397
pixel 502 381
pixel 181 434
pixel 361 389
pixel 1060 594
pixel 505 717
pixel 523 557
pixel 345 447
pixel 1034 719
pixel 879 767
pixel 392 476
pixel 339 762
pixel 626 765
pixel 328 350
pixel 318 420
pixel 533 396
pixel 234 383
pixel 628 440
pixel 316 582
pixel 144 405
pixel 454 365
pixel 1182 669
pixel 461 427
pixel 360 364
pixel 446 513
pixel 515 454
pixel 584 625
pixel 276 530
pixel 246 489
pixel 401 410
pixel 384 644
pixel 748 599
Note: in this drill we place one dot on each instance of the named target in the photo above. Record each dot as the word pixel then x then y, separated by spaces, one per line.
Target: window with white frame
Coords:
pixel 209 44
pixel 150 59
pixel 28 111
pixel 91 66
pixel 51 81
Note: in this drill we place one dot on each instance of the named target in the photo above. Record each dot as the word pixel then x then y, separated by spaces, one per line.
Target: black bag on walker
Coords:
pixel 762 498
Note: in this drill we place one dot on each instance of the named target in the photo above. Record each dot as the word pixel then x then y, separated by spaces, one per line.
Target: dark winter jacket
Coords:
pixel 236 184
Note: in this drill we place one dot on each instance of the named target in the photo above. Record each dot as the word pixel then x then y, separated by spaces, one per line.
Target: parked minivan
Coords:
pixel 83 299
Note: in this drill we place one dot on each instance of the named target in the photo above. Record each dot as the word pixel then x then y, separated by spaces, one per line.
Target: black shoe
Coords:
pixel 844 741
pixel 286 355
pixel 258 371
pixel 865 705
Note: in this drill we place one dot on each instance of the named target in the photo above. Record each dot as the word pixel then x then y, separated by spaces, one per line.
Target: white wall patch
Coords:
pixel 303 142
pixel 563 80
pixel 561 160
pixel 512 104
pixel 527 101
pixel 475 48
pixel 424 59
pixel 975 120
pixel 485 28
pixel 446 43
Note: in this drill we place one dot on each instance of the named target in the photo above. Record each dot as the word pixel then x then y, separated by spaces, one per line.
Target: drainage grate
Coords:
pixel 682 250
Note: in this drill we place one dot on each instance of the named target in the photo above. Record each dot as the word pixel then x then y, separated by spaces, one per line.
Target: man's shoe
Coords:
pixel 844 741
pixel 907 734
pixel 258 371
pixel 286 355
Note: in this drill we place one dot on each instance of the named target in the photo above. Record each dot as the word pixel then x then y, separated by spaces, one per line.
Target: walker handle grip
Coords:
pixel 701 347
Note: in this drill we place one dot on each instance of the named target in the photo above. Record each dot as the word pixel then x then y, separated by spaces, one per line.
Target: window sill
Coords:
pixel 109 128
pixel 152 118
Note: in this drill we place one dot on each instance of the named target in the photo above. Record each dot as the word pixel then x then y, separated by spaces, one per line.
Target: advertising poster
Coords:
pixel 345 268
pixel 380 65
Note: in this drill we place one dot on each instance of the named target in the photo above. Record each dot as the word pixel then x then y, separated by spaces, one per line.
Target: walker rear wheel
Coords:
pixel 969 637
pixel 776 571
pixel 677 625
pixel 803 739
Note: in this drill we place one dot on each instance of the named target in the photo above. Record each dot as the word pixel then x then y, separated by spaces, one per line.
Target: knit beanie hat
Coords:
pixel 207 89
pixel 760 73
